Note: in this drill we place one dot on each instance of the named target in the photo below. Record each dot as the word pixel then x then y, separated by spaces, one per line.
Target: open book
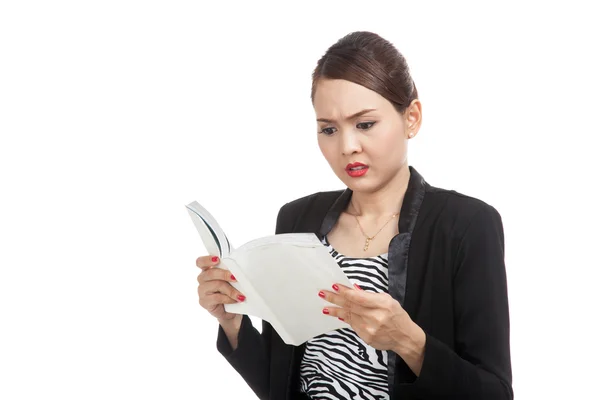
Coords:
pixel 280 275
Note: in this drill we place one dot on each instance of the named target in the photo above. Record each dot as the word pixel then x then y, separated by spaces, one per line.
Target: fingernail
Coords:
pixel 358 287
pixel 233 277
pixel 325 311
pixel 341 319
pixel 241 297
pixel 335 287
pixel 321 294
pixel 214 259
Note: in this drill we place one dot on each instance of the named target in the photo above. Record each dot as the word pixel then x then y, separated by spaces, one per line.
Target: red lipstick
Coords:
pixel 356 169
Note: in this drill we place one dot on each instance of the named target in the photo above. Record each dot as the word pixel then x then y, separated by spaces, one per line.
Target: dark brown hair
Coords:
pixel 369 60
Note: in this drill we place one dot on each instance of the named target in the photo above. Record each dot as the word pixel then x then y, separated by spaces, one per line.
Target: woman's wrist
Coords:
pixel 231 327
pixel 412 347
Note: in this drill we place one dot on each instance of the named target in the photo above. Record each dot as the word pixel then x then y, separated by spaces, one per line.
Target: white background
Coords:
pixel 114 114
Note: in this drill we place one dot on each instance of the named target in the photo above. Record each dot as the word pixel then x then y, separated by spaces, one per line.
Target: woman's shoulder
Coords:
pixel 309 208
pixel 318 199
pixel 456 208
pixel 455 199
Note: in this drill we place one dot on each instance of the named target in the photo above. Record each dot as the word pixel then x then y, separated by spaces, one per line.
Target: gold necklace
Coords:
pixel 368 239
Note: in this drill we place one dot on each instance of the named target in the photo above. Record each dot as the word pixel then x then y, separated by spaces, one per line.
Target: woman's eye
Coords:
pixel 365 125
pixel 327 131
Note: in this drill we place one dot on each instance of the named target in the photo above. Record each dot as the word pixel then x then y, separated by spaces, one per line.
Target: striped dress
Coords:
pixel 339 364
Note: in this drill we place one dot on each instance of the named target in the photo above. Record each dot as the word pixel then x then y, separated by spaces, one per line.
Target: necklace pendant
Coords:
pixel 367 242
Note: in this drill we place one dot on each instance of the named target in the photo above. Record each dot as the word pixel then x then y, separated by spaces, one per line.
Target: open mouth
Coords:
pixel 357 166
pixel 356 169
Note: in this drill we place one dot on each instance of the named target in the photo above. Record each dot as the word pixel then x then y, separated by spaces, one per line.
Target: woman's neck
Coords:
pixel 384 202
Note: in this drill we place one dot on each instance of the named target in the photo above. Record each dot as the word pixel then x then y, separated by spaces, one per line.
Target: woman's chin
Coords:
pixel 360 185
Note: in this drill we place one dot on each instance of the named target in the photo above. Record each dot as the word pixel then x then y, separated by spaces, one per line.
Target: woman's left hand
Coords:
pixel 379 320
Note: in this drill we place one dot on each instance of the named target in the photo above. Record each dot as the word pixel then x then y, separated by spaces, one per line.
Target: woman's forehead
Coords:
pixel 344 98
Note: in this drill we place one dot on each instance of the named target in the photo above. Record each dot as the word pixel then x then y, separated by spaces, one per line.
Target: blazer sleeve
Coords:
pixel 479 367
pixel 252 358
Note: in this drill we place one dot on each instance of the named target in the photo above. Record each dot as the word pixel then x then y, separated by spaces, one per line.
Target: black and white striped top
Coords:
pixel 339 364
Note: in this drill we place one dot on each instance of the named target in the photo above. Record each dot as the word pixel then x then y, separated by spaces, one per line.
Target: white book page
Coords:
pixel 289 278
pixel 298 239
pixel 253 304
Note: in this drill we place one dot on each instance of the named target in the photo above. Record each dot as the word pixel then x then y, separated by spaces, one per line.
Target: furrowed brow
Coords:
pixel 358 114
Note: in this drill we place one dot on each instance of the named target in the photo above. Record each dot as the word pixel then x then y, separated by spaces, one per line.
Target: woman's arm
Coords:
pixel 248 353
pixel 231 329
pixel 479 367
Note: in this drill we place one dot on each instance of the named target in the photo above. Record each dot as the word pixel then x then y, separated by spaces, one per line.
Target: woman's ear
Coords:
pixel 412 115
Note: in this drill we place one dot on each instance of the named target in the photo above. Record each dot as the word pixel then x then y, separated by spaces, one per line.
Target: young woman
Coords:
pixel 428 314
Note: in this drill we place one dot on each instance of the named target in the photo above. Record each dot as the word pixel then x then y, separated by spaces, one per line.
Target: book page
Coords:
pixel 253 304
pixel 296 239
pixel 288 277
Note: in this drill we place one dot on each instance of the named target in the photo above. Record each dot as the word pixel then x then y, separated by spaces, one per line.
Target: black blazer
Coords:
pixel 446 268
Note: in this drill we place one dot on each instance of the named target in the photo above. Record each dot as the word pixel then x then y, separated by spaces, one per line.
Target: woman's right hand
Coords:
pixel 215 289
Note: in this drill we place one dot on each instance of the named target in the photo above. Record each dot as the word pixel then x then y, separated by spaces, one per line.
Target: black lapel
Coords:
pixel 398 254
pixel 333 214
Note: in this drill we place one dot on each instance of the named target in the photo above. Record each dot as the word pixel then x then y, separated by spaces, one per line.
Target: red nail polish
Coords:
pixel 341 319
pixel 358 287
pixel 241 297
pixel 214 259
pixel 335 287
pixel 321 294
pixel 233 278
pixel 325 311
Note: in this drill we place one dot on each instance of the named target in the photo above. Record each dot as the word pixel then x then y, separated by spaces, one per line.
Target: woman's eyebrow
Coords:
pixel 358 114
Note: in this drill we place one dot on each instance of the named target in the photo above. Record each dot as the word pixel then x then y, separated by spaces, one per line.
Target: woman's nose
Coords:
pixel 350 142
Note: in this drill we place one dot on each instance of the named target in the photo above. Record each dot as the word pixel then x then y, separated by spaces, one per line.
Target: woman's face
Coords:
pixel 357 125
